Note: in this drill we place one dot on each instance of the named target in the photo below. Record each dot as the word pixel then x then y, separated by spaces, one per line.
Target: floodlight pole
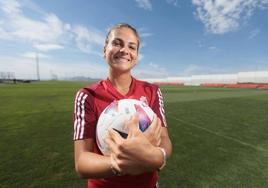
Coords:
pixel 37 67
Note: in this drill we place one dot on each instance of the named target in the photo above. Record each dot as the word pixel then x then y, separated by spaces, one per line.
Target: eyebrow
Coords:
pixel 132 43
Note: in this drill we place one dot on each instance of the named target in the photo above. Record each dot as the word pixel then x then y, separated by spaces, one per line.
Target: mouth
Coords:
pixel 122 59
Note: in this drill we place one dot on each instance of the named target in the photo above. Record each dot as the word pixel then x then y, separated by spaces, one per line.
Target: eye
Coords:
pixel 117 43
pixel 133 48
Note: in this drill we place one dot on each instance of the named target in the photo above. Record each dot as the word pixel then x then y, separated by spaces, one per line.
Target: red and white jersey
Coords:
pixel 89 104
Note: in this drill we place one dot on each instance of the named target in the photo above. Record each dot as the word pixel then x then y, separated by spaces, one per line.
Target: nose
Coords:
pixel 125 50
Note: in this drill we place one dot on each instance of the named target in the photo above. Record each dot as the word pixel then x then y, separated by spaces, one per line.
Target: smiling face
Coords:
pixel 121 50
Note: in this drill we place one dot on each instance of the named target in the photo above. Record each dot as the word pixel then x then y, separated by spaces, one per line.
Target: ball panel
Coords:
pixel 144 120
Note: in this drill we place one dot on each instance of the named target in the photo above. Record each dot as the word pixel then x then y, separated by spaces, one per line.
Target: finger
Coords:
pixel 154 121
pixel 159 142
pixel 133 125
pixel 115 136
pixel 114 164
pixel 159 122
pixel 157 132
pixel 110 143
pixel 113 140
pixel 158 127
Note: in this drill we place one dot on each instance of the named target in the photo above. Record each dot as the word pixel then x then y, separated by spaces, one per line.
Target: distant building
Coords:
pixel 257 77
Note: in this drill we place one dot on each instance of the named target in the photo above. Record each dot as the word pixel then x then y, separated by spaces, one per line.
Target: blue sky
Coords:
pixel 179 37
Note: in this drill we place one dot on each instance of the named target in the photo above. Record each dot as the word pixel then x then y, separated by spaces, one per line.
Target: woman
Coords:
pixel 134 161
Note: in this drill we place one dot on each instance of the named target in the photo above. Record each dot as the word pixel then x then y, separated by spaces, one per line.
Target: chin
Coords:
pixel 121 69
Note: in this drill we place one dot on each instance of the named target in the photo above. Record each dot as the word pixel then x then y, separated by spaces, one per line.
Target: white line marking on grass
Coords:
pixel 220 135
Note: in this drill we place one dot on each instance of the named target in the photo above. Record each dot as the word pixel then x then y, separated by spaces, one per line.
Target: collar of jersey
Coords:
pixel 118 95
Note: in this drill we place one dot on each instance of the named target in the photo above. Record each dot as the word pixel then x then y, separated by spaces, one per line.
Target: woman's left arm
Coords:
pixel 165 142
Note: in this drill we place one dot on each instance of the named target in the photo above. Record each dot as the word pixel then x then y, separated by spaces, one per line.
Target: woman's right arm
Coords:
pixel 89 164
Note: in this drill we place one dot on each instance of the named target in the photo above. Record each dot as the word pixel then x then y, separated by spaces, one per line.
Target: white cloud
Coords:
pixel 47 33
pixel 83 33
pixel 212 48
pixel 48 30
pixel 44 33
pixel 24 67
pixel 86 39
pixel 4 35
pixel 30 5
pixel 32 55
pixel 10 7
pixel 47 47
pixel 222 16
pixel 145 4
pixel 21 27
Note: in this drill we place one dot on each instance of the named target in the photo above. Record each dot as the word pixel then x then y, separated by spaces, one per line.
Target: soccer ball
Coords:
pixel 116 114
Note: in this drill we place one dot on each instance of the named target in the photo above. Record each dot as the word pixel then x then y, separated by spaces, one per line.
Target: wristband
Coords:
pixel 165 158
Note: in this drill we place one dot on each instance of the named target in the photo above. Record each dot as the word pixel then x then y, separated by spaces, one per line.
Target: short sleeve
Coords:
pixel 84 116
pixel 158 107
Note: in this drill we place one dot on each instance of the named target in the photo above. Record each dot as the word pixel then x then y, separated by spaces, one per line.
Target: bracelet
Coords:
pixel 165 158
pixel 115 172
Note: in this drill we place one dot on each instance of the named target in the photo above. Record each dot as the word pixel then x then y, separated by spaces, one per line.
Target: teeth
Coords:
pixel 124 59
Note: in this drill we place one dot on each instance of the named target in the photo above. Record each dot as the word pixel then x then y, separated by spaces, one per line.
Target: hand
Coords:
pixel 153 132
pixel 135 154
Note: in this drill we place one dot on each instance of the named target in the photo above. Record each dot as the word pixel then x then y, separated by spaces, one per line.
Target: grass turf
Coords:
pixel 219 136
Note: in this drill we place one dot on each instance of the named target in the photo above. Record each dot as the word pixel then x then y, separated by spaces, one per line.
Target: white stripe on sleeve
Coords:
pixel 83 117
pixel 79 114
pixel 76 112
pixel 161 106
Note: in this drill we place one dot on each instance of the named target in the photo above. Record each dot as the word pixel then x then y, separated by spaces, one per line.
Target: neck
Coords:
pixel 121 82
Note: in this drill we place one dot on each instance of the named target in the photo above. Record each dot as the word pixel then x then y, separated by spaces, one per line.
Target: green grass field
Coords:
pixel 220 136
